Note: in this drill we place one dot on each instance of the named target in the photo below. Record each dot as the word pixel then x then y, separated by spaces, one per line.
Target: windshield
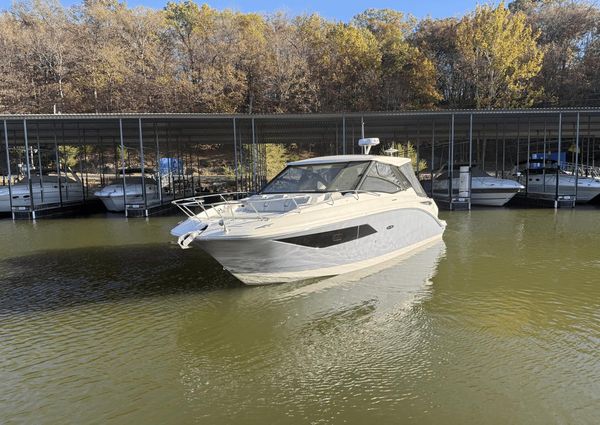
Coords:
pixel 332 177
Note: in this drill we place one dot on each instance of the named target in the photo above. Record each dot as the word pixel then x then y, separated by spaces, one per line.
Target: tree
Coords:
pixel 437 40
pixel 351 65
pixel 499 54
pixel 407 77
pixel 290 86
pixel 568 29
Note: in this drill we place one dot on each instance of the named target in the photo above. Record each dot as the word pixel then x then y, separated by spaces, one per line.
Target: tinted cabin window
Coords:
pixel 407 171
pixel 384 178
pixel 318 177
pixel 348 177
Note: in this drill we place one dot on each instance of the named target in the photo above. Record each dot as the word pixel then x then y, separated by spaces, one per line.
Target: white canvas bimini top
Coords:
pixel 393 160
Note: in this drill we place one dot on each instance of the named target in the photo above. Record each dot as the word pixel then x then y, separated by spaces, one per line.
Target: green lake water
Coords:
pixel 105 320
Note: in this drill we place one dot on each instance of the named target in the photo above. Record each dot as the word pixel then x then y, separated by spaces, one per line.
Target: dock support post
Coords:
pixel 432 157
pixel 254 157
pixel 503 148
pixel 519 145
pixel 559 138
pixel 28 163
pixel 470 157
pixel 39 152
pixel 123 165
pixel 557 192
pixel 451 160
pixel 544 159
pixel 576 158
pixel 142 167
pixel 343 134
pixel 588 147
pixel 529 155
pixel 169 167
pixel 158 172
pixel 418 150
pixel 8 170
pixel 362 127
pixel 235 157
pixel 337 138
pixel 57 159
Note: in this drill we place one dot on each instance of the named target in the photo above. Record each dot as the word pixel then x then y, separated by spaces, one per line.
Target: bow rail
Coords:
pixel 225 206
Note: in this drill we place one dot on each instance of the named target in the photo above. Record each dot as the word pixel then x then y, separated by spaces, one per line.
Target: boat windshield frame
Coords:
pixel 343 166
pixel 402 179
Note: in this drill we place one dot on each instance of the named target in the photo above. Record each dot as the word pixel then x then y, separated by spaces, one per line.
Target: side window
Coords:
pixel 384 178
pixel 408 172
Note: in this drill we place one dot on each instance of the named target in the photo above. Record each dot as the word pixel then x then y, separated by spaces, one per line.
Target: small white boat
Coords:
pixel 541 177
pixel 112 197
pixel 485 189
pixel 319 217
pixel 47 190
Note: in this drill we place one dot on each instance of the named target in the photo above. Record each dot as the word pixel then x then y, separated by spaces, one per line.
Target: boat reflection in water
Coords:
pixel 335 339
pixel 407 274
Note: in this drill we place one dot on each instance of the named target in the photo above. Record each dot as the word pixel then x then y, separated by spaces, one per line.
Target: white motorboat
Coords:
pixel 485 189
pixel 542 176
pixel 112 197
pixel 319 217
pixel 47 190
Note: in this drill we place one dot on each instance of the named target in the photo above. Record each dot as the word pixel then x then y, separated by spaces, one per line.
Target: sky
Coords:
pixel 332 9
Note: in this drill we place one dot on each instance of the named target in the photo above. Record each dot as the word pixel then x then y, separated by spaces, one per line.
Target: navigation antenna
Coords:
pixel 367 143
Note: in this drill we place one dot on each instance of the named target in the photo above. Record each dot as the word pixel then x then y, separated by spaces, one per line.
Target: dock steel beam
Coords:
pixel 57 159
pixel 254 158
pixel 557 192
pixel 8 170
pixel 27 162
pixel 576 157
pixel 470 157
pixel 343 134
pixel 142 167
pixel 235 157
pixel 123 166
pixel 158 172
pixel 451 160
pixel 432 157
pixel 39 152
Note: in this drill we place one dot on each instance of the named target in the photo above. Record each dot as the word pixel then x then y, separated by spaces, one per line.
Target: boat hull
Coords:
pixel 485 191
pixel 326 250
pixel 113 203
pixel 584 193
pixel 49 196
pixel 485 197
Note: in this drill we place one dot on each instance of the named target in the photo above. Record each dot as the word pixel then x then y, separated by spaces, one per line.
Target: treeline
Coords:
pixel 102 56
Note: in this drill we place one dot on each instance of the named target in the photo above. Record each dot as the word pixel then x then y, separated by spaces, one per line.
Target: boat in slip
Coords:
pixel 112 197
pixel 485 189
pixel 547 177
pixel 47 191
pixel 319 217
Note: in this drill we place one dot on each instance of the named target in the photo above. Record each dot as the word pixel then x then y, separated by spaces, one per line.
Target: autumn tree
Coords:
pixel 290 86
pixel 500 55
pixel 37 37
pixel 568 36
pixel 407 77
pixel 436 38
pixel 104 56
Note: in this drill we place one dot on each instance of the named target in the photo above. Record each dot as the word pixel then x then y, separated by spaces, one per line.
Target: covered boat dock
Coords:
pixel 189 154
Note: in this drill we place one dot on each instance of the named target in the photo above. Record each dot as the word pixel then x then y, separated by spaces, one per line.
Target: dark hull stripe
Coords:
pixel 331 238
